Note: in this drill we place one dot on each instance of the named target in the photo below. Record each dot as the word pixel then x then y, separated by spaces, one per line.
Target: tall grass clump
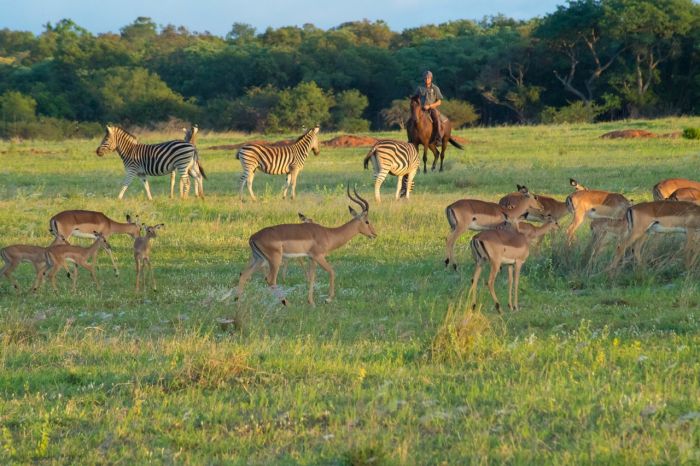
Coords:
pixel 465 332
pixel 691 133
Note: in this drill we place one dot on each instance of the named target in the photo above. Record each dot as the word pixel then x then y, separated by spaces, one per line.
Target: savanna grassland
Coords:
pixel 592 369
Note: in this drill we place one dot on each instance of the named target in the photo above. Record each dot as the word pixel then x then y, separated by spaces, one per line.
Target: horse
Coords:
pixel 420 131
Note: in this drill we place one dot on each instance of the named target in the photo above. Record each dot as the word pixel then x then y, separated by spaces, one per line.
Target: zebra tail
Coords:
pixel 456 144
pixel 369 156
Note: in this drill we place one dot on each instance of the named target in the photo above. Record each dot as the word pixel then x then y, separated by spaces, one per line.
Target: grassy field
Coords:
pixel 396 370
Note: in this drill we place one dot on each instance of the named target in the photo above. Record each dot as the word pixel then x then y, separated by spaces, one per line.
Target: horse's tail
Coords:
pixel 456 144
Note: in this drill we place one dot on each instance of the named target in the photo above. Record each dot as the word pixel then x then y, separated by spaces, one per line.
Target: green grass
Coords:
pixel 395 370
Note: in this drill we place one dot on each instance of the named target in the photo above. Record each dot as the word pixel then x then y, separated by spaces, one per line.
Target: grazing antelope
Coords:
pixel 536 233
pixel 551 208
pixel 604 230
pixel 593 204
pixel 473 214
pixel 686 194
pixel 396 158
pixel 83 224
pixel 58 257
pixel 658 217
pixel 142 256
pixel 36 255
pixel 663 189
pixel 190 137
pixel 499 247
pixel 312 240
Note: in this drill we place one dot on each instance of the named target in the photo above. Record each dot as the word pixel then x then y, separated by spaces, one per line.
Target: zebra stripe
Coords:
pixel 397 158
pixel 145 160
pixel 277 160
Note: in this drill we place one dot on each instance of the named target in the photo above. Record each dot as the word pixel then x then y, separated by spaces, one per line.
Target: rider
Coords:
pixel 430 99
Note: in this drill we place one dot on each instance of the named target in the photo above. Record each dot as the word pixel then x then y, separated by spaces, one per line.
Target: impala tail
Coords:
pixel 657 193
pixel 451 217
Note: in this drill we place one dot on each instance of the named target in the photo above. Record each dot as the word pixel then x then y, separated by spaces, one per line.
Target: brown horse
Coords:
pixel 420 131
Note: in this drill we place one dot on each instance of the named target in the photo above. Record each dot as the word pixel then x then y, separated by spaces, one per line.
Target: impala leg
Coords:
pixel 311 275
pixel 172 184
pixel 492 280
pixel 7 272
pixel 510 287
pixel 150 271
pixel 91 269
pixel 690 253
pixel 579 217
pixel 74 276
pixel 475 282
pixel 630 240
pixel 138 274
pixel 252 267
pixel 637 249
pixel 39 279
pixel 52 275
pixel 125 185
pixel 451 240
pixel 331 274
pixel 274 260
pixel 114 263
pixel 518 266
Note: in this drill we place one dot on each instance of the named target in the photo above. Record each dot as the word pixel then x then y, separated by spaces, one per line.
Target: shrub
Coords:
pixel 50 129
pixel 691 133
pixel 15 106
pixel 459 112
pixel 353 125
pixel 577 112
pixel 347 111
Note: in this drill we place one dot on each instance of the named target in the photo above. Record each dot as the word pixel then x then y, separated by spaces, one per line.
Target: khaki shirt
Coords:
pixel 428 95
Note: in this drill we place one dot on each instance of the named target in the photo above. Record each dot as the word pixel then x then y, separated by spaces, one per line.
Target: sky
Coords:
pixel 217 16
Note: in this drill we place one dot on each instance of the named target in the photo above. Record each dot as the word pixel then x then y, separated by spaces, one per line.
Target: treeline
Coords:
pixel 588 60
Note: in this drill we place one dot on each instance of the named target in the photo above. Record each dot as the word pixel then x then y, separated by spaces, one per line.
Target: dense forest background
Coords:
pixel 588 60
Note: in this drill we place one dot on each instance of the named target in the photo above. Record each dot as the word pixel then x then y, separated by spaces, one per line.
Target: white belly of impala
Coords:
pixel 82 234
pixel 657 228
pixel 294 254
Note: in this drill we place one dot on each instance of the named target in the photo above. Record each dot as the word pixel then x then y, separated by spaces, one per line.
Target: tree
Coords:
pixel 304 105
pixel 15 106
pixel 459 112
pixel 396 114
pixel 347 111
pixel 241 33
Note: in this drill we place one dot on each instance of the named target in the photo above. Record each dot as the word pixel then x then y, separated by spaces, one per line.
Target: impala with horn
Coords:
pixel 664 189
pixel 473 214
pixel 84 224
pixel 586 202
pixel 659 217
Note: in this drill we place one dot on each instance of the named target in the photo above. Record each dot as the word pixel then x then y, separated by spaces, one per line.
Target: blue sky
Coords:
pixel 217 16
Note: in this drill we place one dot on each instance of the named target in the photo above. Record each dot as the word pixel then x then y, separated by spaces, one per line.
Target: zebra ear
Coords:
pixel 110 129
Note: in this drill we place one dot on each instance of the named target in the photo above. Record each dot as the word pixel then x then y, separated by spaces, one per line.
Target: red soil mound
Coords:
pixel 628 134
pixel 348 140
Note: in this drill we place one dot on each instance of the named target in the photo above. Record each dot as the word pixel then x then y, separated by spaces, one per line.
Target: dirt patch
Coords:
pixel 629 134
pixel 349 140
pixel 254 141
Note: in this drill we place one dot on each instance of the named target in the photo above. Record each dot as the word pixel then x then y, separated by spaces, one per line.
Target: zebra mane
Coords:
pixel 126 133
pixel 304 138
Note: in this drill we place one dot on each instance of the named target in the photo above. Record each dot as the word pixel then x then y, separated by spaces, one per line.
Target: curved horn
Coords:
pixel 353 199
pixel 364 201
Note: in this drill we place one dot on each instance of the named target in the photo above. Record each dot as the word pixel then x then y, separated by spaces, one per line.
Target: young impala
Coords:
pixel 504 246
pixel 659 217
pixel 551 208
pixel 686 194
pixel 663 189
pixel 473 214
pixel 84 224
pixel 593 204
pixel 18 253
pixel 60 255
pixel 142 256
pixel 605 230
pixel 270 245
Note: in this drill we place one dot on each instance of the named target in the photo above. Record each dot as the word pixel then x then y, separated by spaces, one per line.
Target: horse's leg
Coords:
pixel 425 158
pixel 436 155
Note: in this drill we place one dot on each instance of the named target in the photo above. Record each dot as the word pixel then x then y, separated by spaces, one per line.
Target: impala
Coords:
pixel 270 245
pixel 686 194
pixel 551 208
pixel 142 255
pixel 499 247
pixel 604 230
pixel 585 202
pixel 663 189
pixel 472 214
pixel 60 255
pixel 18 253
pixel 83 224
pixel 658 217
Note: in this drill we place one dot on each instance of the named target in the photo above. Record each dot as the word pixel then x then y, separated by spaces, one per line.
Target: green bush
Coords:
pixel 691 133
pixel 50 129
pixel 577 112
pixel 353 125
pixel 459 112
pixel 15 106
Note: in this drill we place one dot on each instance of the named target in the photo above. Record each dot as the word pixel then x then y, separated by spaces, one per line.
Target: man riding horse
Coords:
pixel 430 99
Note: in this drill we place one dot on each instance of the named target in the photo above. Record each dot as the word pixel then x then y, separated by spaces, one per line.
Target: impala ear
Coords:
pixel 352 212
pixel 159 226
pixel 573 182
pixel 128 218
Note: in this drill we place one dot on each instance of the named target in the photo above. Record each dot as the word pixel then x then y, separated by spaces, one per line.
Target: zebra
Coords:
pixel 191 137
pixel 143 160
pixel 397 158
pixel 277 160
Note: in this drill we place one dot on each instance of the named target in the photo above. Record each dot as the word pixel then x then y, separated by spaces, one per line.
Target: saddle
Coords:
pixel 443 118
